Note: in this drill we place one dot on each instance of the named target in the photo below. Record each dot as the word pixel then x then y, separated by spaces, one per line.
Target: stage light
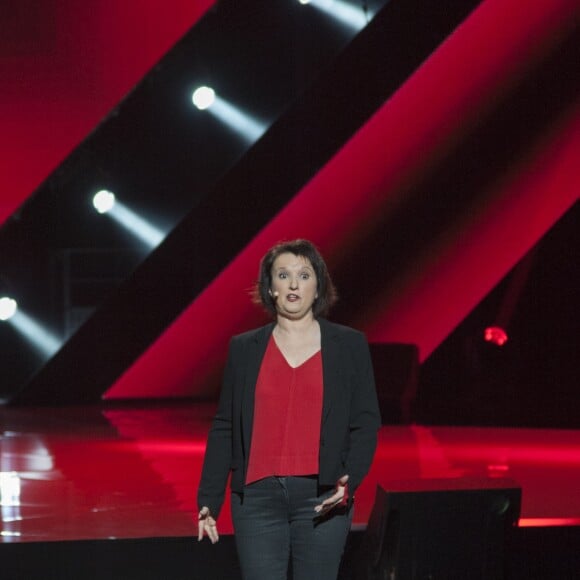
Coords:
pixel 495 335
pixel 243 123
pixel 104 201
pixel 203 97
pixel 352 16
pixel 8 307
pixel 38 336
pixel 138 226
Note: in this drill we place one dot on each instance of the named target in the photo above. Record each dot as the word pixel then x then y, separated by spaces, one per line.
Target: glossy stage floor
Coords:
pixel 102 473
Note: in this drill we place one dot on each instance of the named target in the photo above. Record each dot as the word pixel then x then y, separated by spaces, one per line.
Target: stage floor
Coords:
pixel 124 472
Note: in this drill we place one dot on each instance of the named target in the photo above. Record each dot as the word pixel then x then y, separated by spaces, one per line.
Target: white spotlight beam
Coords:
pixel 249 128
pixel 139 227
pixel 43 340
pixel 353 17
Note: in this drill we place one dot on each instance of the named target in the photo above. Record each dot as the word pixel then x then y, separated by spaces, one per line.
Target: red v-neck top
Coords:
pixel 287 416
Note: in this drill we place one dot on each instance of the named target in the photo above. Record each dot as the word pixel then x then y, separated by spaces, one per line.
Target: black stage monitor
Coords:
pixel 440 529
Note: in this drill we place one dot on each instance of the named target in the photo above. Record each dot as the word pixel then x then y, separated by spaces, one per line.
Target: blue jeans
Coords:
pixel 274 519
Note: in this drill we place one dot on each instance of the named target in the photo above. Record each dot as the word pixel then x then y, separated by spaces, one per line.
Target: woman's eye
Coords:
pixel 305 276
pixel 282 275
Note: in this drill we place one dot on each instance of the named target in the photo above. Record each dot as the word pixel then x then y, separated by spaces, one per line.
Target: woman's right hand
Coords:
pixel 206 524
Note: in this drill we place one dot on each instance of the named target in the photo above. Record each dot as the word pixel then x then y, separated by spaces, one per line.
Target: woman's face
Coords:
pixel 294 286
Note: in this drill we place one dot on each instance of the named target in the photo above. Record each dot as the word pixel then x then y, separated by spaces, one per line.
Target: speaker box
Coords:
pixel 396 367
pixel 440 529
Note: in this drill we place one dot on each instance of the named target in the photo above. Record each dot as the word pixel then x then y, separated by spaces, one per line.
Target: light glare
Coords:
pixel 9 489
pixel 353 17
pixel 42 339
pixel 104 201
pixel 139 227
pixel 203 97
pixel 244 124
pixel 8 307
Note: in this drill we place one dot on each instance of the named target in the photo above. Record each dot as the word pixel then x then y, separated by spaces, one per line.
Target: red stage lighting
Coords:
pixel 496 335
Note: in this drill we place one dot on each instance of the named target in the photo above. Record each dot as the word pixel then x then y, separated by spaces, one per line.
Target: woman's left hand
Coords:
pixel 336 499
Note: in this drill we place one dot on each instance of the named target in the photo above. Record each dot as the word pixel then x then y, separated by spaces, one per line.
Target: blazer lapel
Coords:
pixel 330 345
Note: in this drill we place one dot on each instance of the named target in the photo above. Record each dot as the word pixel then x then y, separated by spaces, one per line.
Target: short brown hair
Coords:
pixel 325 288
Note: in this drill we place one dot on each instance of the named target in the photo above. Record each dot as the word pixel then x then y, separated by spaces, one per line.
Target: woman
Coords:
pixel 296 426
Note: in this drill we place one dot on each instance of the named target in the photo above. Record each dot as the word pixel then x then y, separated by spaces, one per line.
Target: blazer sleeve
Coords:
pixel 218 454
pixel 365 418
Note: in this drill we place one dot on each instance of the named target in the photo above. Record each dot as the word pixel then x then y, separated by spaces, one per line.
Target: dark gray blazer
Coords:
pixel 350 412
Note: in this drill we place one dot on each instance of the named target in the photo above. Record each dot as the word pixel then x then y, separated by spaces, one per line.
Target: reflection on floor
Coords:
pixel 90 473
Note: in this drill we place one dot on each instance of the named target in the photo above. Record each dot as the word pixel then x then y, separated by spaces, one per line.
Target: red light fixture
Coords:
pixel 496 335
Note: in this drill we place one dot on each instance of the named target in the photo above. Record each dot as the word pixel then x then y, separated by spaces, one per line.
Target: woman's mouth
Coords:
pixel 292 297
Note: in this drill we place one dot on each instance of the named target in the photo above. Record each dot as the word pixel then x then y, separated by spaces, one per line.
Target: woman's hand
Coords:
pixel 206 524
pixel 339 497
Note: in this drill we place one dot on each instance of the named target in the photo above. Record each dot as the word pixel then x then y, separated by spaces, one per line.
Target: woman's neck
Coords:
pixel 300 326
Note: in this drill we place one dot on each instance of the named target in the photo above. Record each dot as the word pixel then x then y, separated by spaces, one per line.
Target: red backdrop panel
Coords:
pixel 463 77
pixel 64 65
